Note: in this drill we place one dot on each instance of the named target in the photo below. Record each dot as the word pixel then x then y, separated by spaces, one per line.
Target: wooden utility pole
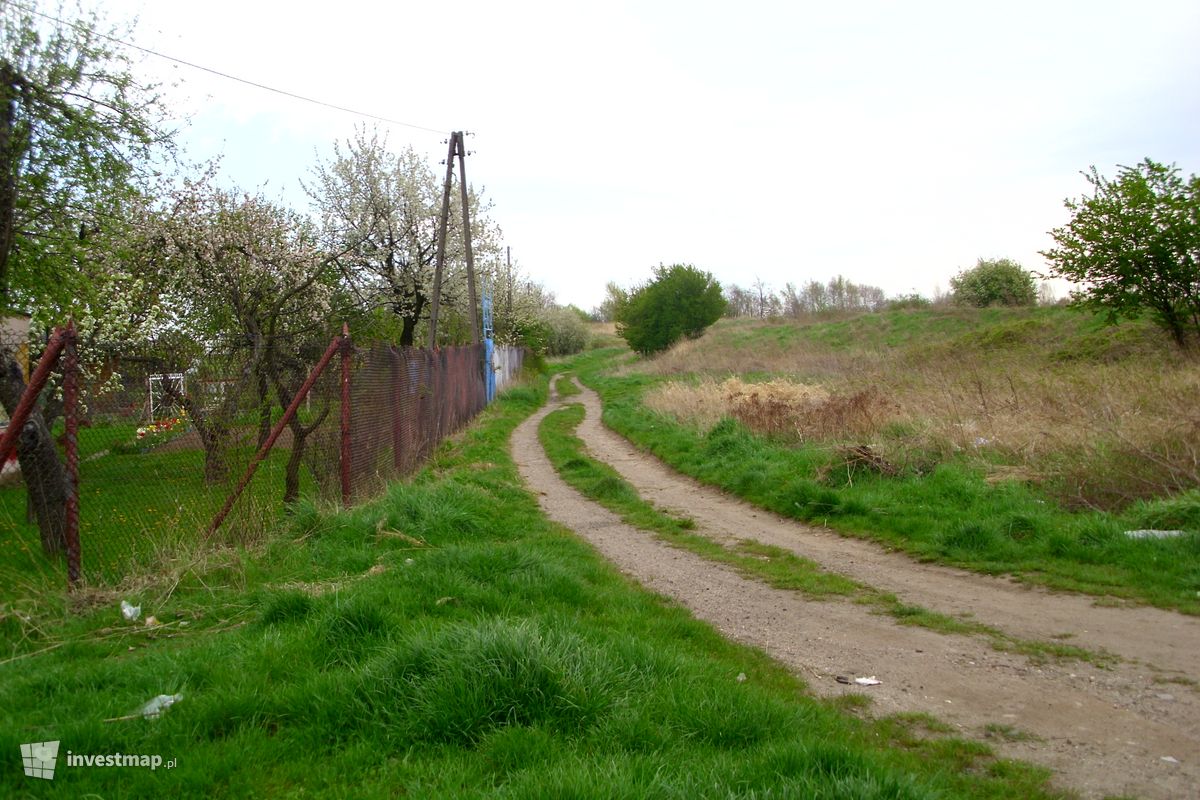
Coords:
pixel 508 289
pixel 466 214
pixel 441 247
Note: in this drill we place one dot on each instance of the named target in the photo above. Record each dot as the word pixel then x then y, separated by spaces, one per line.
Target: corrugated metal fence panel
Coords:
pixel 507 362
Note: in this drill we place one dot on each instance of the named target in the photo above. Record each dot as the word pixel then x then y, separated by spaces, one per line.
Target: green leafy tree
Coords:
pixel 1134 245
pixel 77 137
pixel 614 296
pixel 995 282
pixel 680 301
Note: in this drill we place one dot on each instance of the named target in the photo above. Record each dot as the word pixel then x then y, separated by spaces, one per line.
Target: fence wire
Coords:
pixel 165 437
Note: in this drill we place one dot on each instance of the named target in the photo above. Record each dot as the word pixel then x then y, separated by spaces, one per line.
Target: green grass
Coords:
pixel 565 386
pixel 1057 334
pixel 444 641
pixel 950 515
pixel 134 508
pixel 1008 733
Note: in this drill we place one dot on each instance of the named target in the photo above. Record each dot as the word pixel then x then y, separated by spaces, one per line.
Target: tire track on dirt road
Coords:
pixel 1097 730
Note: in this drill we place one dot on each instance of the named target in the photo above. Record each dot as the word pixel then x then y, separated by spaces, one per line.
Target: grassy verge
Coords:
pixel 952 514
pixel 772 565
pixel 446 641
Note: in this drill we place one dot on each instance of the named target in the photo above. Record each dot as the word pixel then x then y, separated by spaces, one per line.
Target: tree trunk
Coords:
pixel 291 477
pixel 213 435
pixel 216 470
pixel 264 410
pixel 300 434
pixel 1169 319
pixel 409 315
pixel 41 468
pixel 407 332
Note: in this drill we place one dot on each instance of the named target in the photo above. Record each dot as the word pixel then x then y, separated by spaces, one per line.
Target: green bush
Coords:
pixel 567 332
pixel 553 332
pixel 999 282
pixel 680 301
pixel 907 301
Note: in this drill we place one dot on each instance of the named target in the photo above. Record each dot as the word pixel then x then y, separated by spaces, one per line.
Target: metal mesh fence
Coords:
pixel 165 439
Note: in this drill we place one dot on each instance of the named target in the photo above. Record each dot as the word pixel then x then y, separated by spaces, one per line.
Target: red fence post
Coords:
pixel 37 381
pixel 71 413
pixel 345 459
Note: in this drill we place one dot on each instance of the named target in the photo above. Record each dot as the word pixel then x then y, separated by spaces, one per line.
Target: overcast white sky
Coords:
pixel 893 143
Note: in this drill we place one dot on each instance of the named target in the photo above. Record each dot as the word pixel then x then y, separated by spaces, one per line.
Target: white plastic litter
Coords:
pixel 1153 534
pixel 741 678
pixel 867 681
pixel 1169 759
pixel 130 611
pixel 158 705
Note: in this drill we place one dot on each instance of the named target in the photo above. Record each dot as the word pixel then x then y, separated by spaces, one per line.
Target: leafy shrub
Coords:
pixel 553 332
pixel 680 301
pixel 999 282
pixel 909 301
pixel 567 332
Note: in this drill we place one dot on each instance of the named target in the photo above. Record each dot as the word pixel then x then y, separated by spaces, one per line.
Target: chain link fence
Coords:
pixel 176 452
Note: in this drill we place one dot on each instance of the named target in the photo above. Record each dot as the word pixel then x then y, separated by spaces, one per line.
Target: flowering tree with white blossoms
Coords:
pixel 381 210
pixel 248 279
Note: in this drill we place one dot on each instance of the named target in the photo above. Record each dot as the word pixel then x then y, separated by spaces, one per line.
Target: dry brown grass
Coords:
pixel 1097 433
pixel 780 408
pixel 603 334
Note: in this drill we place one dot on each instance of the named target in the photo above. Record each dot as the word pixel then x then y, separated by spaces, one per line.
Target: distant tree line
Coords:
pixel 814 297
pixel 990 282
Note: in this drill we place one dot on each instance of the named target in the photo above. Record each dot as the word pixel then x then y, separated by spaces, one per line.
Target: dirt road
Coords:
pixel 1133 728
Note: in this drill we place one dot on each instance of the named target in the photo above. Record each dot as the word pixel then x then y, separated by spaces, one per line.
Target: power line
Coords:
pixel 225 75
